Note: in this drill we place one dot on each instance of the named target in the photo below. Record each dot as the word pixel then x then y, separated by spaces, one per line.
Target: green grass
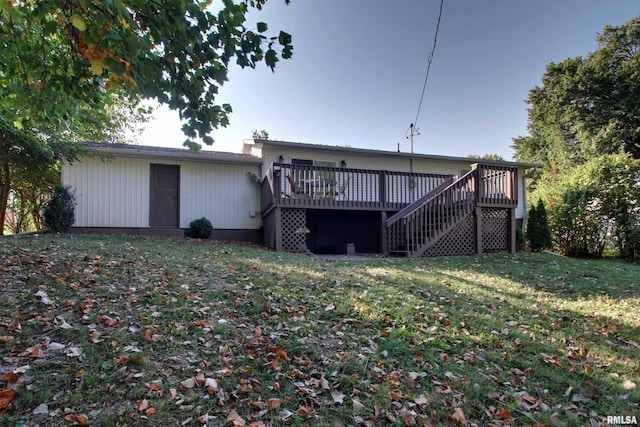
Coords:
pixel 109 327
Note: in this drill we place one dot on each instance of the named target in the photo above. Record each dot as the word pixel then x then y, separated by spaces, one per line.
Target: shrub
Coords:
pixel 634 242
pixel 200 228
pixel 520 240
pixel 59 211
pixel 538 233
pixel 594 205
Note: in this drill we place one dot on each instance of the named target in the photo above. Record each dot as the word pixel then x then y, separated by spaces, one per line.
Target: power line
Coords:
pixel 429 61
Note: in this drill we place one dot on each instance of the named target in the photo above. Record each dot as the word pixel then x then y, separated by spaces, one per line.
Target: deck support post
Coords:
pixel 478 229
pixel 512 231
pixel 278 229
pixel 384 246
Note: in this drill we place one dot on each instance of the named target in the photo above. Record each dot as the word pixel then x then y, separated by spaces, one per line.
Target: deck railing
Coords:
pixel 497 186
pixel 419 225
pixel 307 186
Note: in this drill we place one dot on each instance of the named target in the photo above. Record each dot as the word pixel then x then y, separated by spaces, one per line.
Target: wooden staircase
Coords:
pixel 419 226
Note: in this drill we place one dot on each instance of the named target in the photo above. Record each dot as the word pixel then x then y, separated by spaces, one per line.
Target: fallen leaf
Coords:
pixel 11 377
pixel 204 419
pixel 41 409
pixel 503 414
pixel 63 323
pixel 73 352
pixel 55 346
pixel 273 403
pixel 458 415
pixel 188 383
pixel 324 384
pixel 285 414
pixel 82 419
pixel 143 405
pixel 122 360
pixel 244 386
pixel 556 421
pixel 148 335
pixel 409 419
pixel 6 396
pixel 233 419
pixel 577 397
pixel 357 405
pixel 421 400
pixel 36 351
pixel 337 397
pixel 306 408
pixel 211 385
pixel 628 385
pixel 6 338
pixel 44 297
pixel 282 354
pixel 150 411
pixel 396 395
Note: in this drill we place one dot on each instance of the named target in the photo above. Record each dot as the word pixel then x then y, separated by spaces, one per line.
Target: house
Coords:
pixel 298 197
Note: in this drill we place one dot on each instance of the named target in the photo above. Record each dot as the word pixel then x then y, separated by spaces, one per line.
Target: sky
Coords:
pixel 359 66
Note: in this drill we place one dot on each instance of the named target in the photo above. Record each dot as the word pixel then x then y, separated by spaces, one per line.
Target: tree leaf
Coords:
pixel 97 66
pixel 78 22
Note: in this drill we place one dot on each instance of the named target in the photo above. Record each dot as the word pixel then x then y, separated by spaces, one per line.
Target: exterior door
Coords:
pixel 164 206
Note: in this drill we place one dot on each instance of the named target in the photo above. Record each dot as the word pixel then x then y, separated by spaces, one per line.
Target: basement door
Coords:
pixel 164 206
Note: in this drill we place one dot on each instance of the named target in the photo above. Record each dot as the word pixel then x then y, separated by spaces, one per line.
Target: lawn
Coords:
pixel 107 330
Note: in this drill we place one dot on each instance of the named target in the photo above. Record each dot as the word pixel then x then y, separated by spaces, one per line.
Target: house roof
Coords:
pixel 226 157
pixel 173 153
pixel 381 153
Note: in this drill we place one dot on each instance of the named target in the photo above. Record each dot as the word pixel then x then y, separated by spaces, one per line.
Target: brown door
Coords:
pixel 165 196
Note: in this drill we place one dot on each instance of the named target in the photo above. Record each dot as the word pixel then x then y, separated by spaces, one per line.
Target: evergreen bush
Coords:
pixel 538 233
pixel 200 228
pixel 520 240
pixel 59 211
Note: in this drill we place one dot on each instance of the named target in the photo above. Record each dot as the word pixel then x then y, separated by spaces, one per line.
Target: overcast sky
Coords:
pixel 359 66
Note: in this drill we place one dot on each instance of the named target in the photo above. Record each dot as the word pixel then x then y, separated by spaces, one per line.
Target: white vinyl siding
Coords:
pixel 115 192
pixel 223 193
pixel 109 193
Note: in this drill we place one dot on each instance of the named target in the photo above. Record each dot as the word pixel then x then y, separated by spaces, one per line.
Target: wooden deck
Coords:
pixel 418 213
pixel 314 187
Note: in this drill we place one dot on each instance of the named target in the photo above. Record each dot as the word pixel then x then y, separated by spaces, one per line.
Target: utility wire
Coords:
pixel 429 61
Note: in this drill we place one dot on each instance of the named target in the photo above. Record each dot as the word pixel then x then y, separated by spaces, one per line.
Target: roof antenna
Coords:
pixel 412 131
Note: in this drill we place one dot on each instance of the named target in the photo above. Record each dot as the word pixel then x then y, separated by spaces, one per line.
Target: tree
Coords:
pixel 587 106
pixel 493 157
pixel 67 65
pixel 594 205
pixel 261 135
pixel 58 53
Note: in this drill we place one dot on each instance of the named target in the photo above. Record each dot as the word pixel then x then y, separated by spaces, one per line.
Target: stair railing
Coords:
pixel 417 228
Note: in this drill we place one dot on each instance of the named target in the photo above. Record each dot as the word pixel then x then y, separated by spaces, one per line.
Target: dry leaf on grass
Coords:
pixel 458 415
pixel 6 396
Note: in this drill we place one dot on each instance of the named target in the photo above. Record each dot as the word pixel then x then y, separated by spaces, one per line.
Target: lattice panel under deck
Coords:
pixel 495 230
pixel 294 226
pixel 459 241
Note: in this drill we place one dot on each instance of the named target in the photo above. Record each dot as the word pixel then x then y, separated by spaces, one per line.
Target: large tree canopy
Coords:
pixel 75 70
pixel 57 54
pixel 587 106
